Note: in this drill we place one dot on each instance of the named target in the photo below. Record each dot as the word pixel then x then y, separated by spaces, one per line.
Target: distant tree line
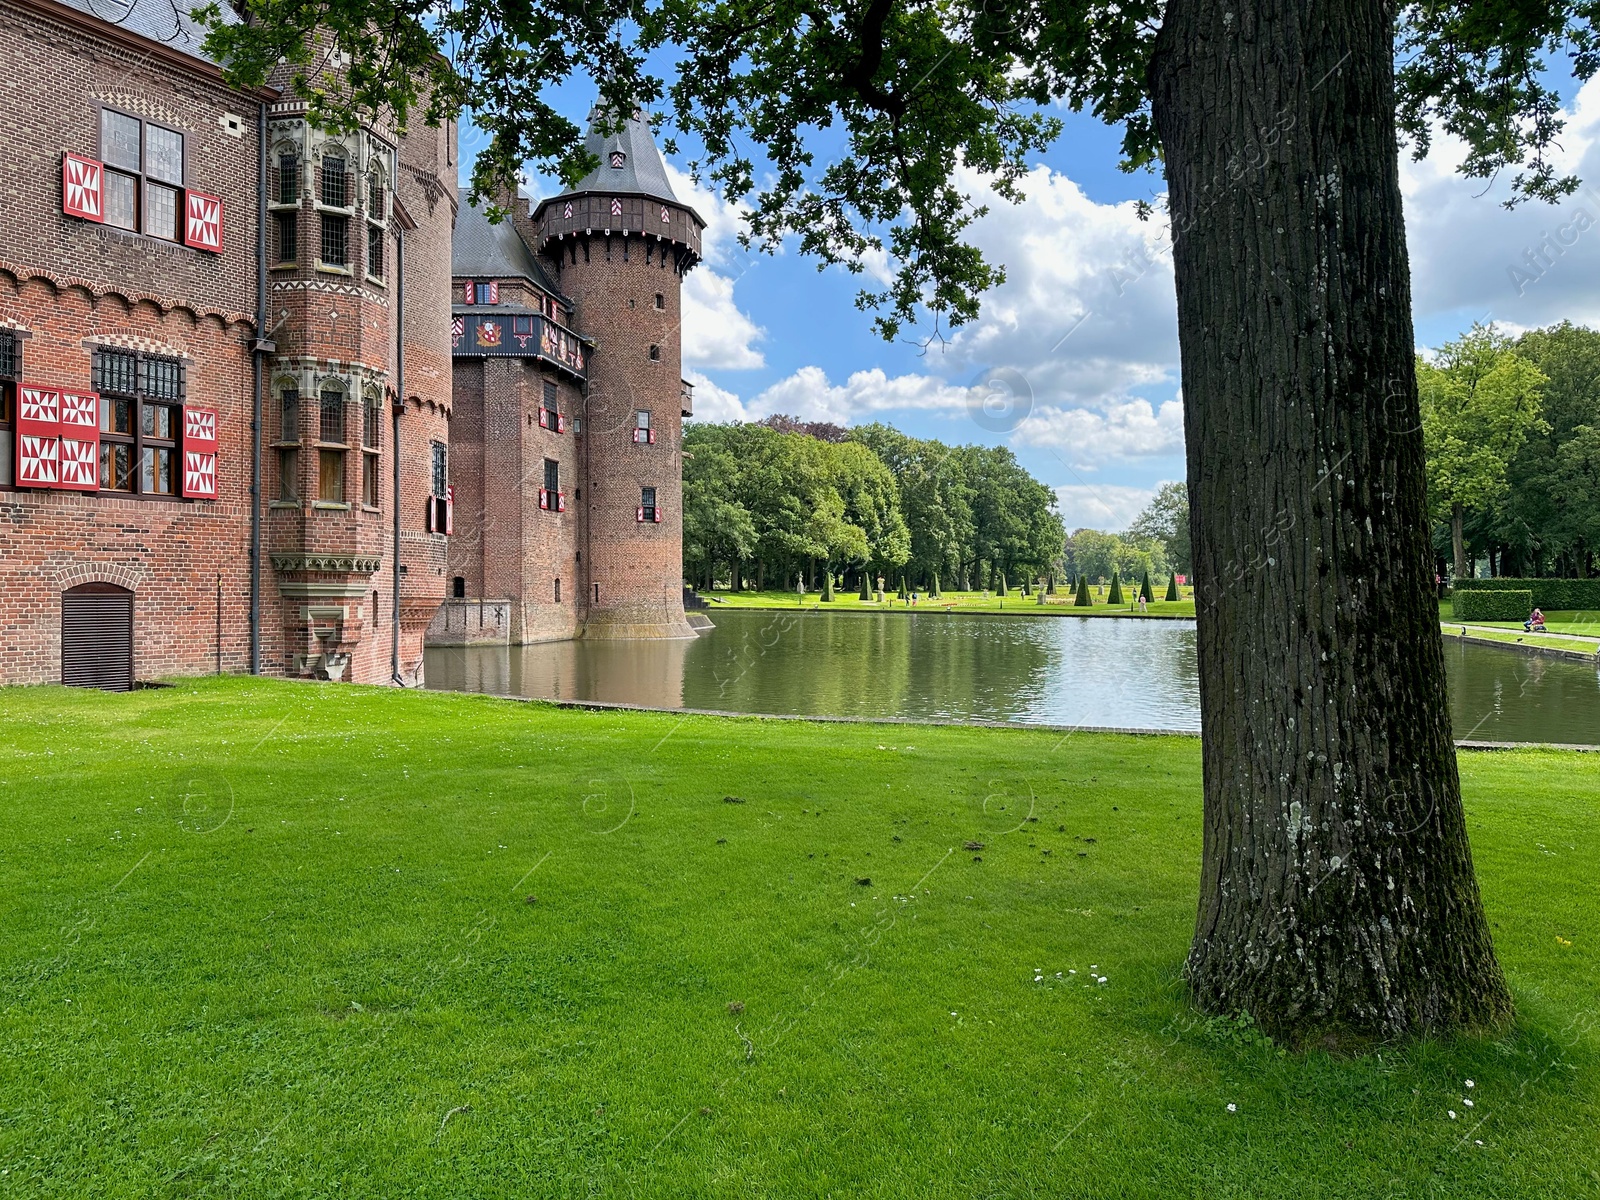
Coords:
pixel 769 504
pixel 1512 430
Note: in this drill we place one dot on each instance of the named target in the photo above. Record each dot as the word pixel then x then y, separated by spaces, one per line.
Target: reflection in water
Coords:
pixel 1050 670
pixel 648 673
pixel 1504 696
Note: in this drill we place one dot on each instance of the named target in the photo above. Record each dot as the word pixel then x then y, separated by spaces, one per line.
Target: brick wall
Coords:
pixel 326 568
pixel 68 282
pixel 636 566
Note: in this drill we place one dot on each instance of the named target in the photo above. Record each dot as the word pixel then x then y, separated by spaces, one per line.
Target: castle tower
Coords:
pixel 356 217
pixel 618 245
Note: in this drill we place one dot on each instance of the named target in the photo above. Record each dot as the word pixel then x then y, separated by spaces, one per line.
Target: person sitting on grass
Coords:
pixel 1535 623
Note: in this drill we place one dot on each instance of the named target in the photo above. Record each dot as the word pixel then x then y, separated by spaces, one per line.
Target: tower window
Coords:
pixel 441 471
pixel 558 590
pixel 335 182
pixel 458 587
pixel 552 476
pixel 647 504
pixel 288 179
pixel 655 353
pixel 288 224
pixel 618 160
pixel 335 240
pixel 661 300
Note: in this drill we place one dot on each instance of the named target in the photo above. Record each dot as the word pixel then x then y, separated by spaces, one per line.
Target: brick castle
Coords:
pixel 281 400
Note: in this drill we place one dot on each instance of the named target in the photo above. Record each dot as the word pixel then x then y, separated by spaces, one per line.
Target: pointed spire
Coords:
pixel 630 164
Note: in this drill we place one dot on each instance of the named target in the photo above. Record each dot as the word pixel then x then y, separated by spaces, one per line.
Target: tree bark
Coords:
pixel 1337 901
pixel 1458 541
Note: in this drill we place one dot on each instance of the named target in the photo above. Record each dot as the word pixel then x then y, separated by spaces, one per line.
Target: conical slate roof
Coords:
pixel 641 173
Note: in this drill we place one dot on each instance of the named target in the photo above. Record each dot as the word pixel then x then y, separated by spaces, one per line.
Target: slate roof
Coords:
pixel 479 250
pixel 642 172
pixel 166 21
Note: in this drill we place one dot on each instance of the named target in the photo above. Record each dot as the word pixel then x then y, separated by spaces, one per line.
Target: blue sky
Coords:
pixel 1084 330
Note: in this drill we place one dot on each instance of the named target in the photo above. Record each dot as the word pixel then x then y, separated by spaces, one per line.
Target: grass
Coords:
pixel 264 939
pixel 1498 633
pixel 975 602
pixel 1582 623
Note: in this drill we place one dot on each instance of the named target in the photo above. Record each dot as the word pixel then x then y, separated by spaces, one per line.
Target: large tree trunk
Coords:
pixel 1337 900
pixel 1458 542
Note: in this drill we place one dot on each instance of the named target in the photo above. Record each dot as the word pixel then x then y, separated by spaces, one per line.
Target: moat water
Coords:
pixel 1078 671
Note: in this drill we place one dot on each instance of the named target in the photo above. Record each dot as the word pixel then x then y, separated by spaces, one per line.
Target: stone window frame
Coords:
pixel 286 391
pixel 333 479
pixel 334 220
pixel 371 450
pixel 379 188
pixel 285 196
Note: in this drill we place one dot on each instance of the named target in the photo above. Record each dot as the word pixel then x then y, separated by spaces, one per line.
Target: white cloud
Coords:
pixel 713 403
pixel 717 333
pixel 1472 259
pixel 1127 429
pixel 808 394
pixel 1107 507
pixel 1087 312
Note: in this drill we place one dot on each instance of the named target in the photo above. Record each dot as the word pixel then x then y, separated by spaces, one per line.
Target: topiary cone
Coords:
pixel 1172 586
pixel 866 591
pixel 1144 587
pixel 1000 586
pixel 1083 599
pixel 1115 596
pixel 827 585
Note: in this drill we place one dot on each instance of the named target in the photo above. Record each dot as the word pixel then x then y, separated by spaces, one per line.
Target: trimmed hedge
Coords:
pixel 1558 595
pixel 1484 604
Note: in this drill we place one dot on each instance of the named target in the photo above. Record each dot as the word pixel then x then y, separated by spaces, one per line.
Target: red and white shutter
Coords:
pixel 561 422
pixel 494 292
pixel 640 517
pixel 79 454
pixel 544 498
pixel 38 437
pixel 200 453
pixel 449 509
pixel 469 293
pixel 544 418
pixel 83 188
pixel 658 512
pixel 202 221
pixel 561 502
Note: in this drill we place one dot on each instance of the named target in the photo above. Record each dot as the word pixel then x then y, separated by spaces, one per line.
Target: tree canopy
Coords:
pixel 765 503
pixel 843 126
pixel 1480 401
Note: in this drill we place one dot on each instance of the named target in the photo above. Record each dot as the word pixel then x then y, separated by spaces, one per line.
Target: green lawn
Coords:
pixel 265 939
pixel 1583 622
pixel 1498 632
pixel 1057 605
